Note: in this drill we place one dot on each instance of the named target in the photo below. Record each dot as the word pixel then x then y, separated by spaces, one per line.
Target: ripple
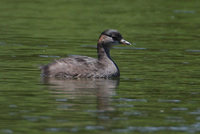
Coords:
pixel 13 106
pixel 194 51
pixel 95 111
pixel 2 43
pixel 35 118
pixel 198 118
pixel 89 46
pixel 44 117
pixel 197 112
pixel 135 113
pixel 6 131
pixel 12 113
pixel 49 56
pixel 146 129
pixel 104 117
pixel 55 129
pixel 196 126
pixel 185 62
pixel 132 100
pixel 31 118
pixel 169 101
pixel 160 128
pixel 195 93
pixel 175 119
pixel 140 129
pixel 94 127
pixel 74 129
pixel 119 118
pixel 63 106
pixel 180 109
pixel 62 121
pixel 61 100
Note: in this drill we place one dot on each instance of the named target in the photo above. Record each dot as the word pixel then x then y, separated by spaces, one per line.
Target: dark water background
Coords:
pixel 159 87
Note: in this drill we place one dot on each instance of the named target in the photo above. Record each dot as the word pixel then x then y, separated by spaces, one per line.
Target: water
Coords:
pixel 158 91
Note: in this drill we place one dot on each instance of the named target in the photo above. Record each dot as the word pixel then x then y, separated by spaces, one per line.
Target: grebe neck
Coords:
pixel 103 52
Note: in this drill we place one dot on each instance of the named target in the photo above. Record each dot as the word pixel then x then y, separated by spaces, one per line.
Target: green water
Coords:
pixel 159 87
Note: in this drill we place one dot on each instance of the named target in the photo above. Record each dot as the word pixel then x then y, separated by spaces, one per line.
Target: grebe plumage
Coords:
pixel 87 67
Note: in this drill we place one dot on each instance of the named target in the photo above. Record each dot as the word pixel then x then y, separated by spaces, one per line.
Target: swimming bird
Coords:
pixel 87 67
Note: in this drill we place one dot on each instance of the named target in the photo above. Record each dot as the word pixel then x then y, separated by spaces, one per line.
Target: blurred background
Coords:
pixel 158 90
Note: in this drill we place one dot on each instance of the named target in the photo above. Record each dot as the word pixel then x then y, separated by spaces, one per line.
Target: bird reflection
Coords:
pixel 85 90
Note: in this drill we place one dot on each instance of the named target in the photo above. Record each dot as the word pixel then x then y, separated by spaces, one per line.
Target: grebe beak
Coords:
pixel 122 41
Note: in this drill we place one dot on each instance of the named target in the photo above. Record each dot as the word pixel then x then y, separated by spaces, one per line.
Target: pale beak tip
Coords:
pixel 125 42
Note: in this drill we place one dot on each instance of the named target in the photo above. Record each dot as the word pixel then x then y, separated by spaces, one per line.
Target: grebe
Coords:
pixel 87 67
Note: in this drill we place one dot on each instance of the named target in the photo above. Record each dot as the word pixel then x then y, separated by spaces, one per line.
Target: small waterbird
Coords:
pixel 87 67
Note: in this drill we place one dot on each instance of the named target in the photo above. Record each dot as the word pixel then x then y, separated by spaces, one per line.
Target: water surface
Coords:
pixel 158 91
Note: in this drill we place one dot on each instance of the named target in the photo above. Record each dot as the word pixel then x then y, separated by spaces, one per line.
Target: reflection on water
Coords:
pixel 101 89
pixel 74 94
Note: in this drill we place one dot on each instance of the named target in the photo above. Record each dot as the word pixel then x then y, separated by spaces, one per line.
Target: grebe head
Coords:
pixel 112 37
